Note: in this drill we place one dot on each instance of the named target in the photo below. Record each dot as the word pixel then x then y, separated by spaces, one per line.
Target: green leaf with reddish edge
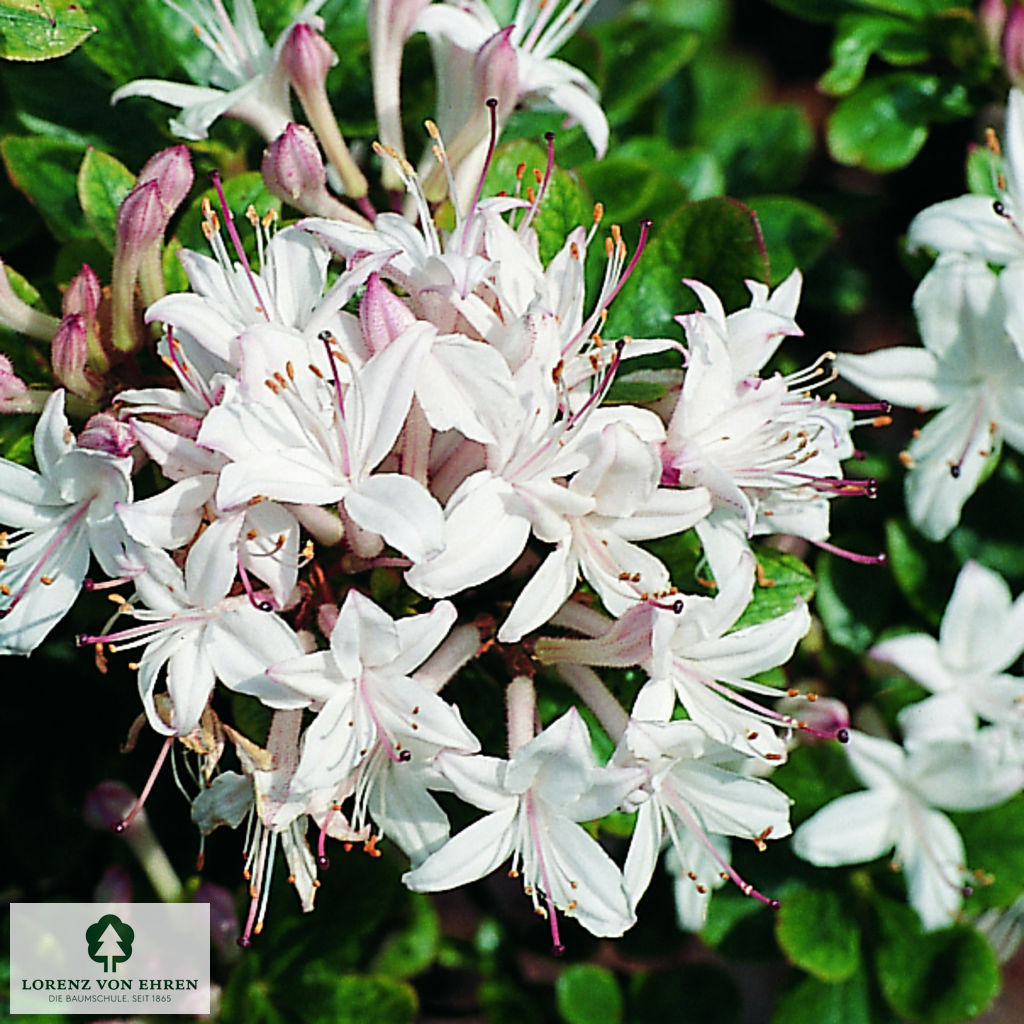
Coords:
pixel 717 241
pixel 47 171
pixel 103 182
pixel 42 29
pixel 819 934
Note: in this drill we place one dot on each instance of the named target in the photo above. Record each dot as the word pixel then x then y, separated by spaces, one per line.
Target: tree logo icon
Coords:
pixel 110 941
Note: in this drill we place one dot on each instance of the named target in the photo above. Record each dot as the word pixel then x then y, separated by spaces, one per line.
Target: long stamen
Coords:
pixel 138 805
pixel 853 556
pixel 229 222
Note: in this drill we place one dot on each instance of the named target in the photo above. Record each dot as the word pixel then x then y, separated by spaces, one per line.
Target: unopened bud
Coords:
pixel 306 59
pixel 140 219
pixel 171 169
pixel 11 385
pixel 292 168
pixel 68 356
pixel 106 433
pixel 83 294
pixel 991 20
pixel 1013 44
pixel 383 316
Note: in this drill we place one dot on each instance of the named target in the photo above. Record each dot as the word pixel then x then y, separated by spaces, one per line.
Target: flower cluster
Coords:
pixel 418 398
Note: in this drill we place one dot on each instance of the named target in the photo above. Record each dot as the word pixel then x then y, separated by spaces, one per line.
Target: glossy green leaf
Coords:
pixel 588 994
pixel 994 841
pixel 415 948
pixel 717 241
pixel 817 931
pixel 853 601
pixel 921 568
pixel 940 977
pixel 813 1001
pixel 783 581
pixel 883 125
pixel 103 182
pixel 861 36
pixel 796 233
pixel 763 147
pixel 42 29
pixel 47 172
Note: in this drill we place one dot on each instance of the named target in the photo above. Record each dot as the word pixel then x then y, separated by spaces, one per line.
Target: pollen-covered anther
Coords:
pixel 906 460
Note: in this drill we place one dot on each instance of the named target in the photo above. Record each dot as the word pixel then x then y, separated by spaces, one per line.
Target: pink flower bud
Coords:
pixel 382 315
pixel 106 433
pixel 107 804
pixel 991 19
pixel 83 294
pixel 172 170
pixel 1013 44
pixel 496 70
pixel 11 385
pixel 306 59
pixel 69 353
pixel 292 168
pixel 141 218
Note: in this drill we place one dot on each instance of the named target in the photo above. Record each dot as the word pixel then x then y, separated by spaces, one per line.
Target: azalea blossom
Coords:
pixel 971 368
pixel 55 517
pixel 977 225
pixel 908 789
pixel 245 77
pixel 534 801
pixel 376 728
pixel 981 635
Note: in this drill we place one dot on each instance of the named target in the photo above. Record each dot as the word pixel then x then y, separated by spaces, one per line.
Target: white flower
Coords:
pixel 908 787
pixel 376 728
pixel 693 795
pixel 59 514
pixel 974 224
pixel 245 78
pixel 972 326
pixel 190 625
pixel 534 801
pixel 982 634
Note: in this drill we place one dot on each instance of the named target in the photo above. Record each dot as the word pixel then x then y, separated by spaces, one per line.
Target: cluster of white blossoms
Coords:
pixel 375 392
pixel 971 319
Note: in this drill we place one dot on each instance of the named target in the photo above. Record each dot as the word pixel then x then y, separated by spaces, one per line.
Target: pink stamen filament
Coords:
pixel 229 222
pixel 838 487
pixel 556 942
pixel 687 818
pixel 37 569
pixel 261 605
pixel 385 740
pixel 492 106
pixel 853 556
pixel 154 772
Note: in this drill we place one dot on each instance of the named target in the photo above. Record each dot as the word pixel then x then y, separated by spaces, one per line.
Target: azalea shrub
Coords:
pixel 514 504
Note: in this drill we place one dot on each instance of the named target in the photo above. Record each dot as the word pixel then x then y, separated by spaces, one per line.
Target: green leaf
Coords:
pixel 103 182
pixel 814 775
pixel 414 949
pixel 858 38
pixel 635 389
pixel 883 125
pixel 813 1001
pixel 688 994
pixel 46 172
pixel 994 841
pixel 796 234
pixel 785 580
pixel 717 241
pixel 356 999
pixel 588 994
pixel 818 933
pixel 764 147
pixel 41 29
pixel 940 977
pixel 922 569
pixel 629 42
pixel 983 170
pixel 853 601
